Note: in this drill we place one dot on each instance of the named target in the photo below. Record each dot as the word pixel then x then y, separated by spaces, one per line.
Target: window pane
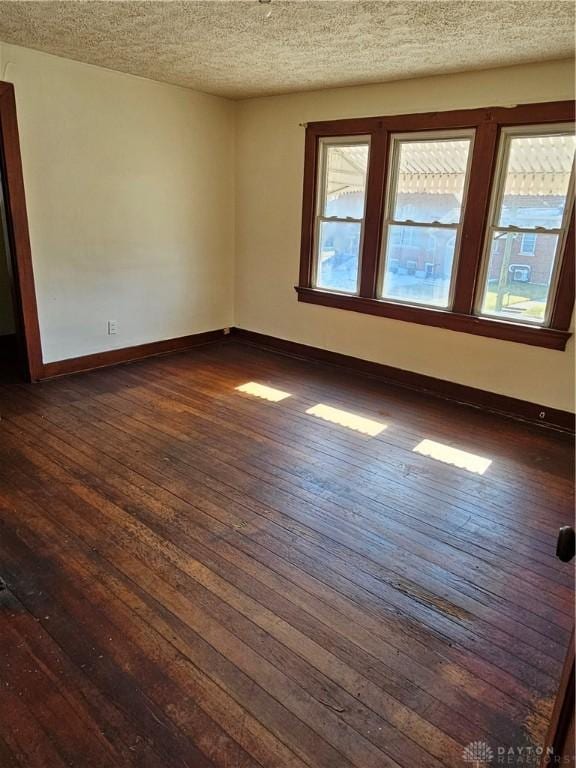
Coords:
pixel 431 178
pixel 338 249
pixel 345 170
pixel 537 177
pixel 517 286
pixel 528 244
pixel 419 264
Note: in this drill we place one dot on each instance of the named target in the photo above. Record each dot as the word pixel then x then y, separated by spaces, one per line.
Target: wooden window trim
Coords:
pixel 487 124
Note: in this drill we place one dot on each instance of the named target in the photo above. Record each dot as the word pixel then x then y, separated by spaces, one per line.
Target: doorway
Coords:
pixel 8 338
pixel 19 314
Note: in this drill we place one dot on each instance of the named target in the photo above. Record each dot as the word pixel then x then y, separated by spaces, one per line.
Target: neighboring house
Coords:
pixel 427 253
pixel 413 250
pixel 419 251
pixel 341 241
pixel 531 254
pixel 419 260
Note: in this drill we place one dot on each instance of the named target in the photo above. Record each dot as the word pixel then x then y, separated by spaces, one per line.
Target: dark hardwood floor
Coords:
pixel 196 576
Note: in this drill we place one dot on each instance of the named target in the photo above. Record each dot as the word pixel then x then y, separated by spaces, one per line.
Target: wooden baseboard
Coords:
pixel 128 354
pixel 459 393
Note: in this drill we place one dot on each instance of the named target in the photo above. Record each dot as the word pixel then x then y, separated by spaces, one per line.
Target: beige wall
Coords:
pixel 129 186
pixel 269 151
pixel 145 200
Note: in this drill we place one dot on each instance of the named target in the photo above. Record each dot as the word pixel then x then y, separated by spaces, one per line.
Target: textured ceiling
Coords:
pixel 227 47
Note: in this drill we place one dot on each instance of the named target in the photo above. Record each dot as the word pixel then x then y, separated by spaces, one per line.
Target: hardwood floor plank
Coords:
pixel 342 540
pixel 222 423
pixel 342 495
pixel 378 628
pixel 7 757
pixel 75 455
pixel 260 641
pixel 133 648
pixel 413 428
pixel 65 720
pixel 197 576
pixel 438 620
pixel 25 738
pixel 219 535
pixel 101 719
pixel 502 512
pixel 198 650
pixel 490 545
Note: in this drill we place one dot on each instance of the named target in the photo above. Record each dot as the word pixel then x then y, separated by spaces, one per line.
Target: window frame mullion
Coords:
pixel 482 169
pixel 373 212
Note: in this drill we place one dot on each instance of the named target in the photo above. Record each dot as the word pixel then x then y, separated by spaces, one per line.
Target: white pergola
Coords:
pixel 536 166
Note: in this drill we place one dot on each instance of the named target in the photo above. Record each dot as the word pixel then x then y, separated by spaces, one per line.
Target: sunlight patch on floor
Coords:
pixel 448 455
pixel 263 392
pixel 347 419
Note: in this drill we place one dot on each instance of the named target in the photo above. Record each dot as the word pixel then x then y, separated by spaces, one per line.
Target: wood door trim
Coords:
pixel 20 254
pixel 563 713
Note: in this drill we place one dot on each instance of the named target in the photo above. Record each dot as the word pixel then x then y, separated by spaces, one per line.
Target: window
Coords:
pixel 426 196
pixel 461 220
pixel 529 217
pixel 340 213
pixel 528 244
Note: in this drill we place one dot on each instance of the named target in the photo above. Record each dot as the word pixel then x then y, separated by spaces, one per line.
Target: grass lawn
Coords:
pixel 530 308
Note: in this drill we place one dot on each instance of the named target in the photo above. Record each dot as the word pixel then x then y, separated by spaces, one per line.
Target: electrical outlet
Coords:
pixel 112 327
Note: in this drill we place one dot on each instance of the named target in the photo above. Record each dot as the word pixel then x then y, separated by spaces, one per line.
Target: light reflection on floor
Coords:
pixel 447 454
pixel 262 391
pixel 347 419
pixel 454 456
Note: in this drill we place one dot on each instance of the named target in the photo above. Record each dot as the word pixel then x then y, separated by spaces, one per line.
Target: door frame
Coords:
pixel 559 741
pixel 19 252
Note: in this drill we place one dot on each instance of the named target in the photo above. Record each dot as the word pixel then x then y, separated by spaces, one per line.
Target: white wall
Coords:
pixel 129 187
pixel 270 151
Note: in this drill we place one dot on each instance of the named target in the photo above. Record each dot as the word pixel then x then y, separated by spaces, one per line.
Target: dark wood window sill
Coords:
pixel 438 318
